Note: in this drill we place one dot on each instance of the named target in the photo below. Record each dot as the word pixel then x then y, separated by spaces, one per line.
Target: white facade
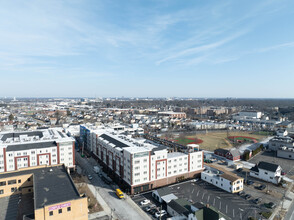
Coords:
pixel 28 149
pixel 250 114
pixel 223 181
pixel 139 162
pixel 266 175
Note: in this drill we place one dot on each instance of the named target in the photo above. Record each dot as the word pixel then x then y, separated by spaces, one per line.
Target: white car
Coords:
pixel 145 202
pixel 160 213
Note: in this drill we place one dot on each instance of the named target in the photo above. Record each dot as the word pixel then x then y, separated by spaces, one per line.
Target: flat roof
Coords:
pixel 29 146
pixel 51 185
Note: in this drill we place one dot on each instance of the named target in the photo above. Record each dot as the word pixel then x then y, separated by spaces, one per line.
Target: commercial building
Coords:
pixel 45 192
pixel 267 171
pixel 286 152
pixel 278 142
pixel 173 114
pixel 140 164
pixel 35 148
pixel 226 181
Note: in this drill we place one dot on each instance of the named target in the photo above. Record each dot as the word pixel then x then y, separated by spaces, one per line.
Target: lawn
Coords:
pixel 214 140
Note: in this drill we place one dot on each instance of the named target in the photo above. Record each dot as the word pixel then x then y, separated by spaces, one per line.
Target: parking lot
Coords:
pixel 270 157
pixel 232 205
pixel 157 206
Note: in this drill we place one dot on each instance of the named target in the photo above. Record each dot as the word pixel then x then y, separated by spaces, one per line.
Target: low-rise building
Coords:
pixel 280 141
pixel 232 154
pixel 226 181
pixel 173 114
pixel 49 189
pixel 163 195
pixel 286 152
pixel 268 172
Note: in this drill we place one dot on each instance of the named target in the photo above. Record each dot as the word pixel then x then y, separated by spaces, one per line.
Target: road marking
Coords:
pixel 214 201
pixel 198 193
pixel 220 205
pixel 208 199
pixel 193 190
pixel 242 210
pixel 218 197
pixel 233 213
pixel 226 209
pixel 203 196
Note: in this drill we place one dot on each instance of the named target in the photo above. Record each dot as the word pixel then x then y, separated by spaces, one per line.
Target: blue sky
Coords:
pixel 190 48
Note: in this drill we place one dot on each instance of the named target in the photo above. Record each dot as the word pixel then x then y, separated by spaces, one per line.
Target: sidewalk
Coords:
pixel 285 203
pixel 106 210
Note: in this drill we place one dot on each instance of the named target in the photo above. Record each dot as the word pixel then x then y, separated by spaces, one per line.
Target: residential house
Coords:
pixel 268 172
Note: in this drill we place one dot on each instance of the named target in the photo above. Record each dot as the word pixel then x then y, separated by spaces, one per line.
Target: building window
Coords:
pixel 10 182
pixel 13 189
pixel 265 173
pixel 50 213
pixel 32 152
pixel 29 179
pixel 3 183
pixel 19 181
pixel 68 209
pixel 59 211
pixel 1 191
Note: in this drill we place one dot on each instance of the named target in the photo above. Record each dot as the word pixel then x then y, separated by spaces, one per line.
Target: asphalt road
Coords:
pixel 124 209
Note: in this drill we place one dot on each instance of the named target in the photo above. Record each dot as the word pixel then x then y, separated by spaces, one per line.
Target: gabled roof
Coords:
pixel 221 150
pixel 235 152
pixel 268 166
pixel 177 207
pixel 163 191
pixel 255 169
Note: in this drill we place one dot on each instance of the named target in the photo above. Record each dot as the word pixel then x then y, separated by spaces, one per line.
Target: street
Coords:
pixel 122 208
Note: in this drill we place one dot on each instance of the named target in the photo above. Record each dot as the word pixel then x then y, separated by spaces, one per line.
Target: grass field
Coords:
pixel 214 140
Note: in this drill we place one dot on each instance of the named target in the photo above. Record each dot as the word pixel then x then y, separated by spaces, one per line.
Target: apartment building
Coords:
pixel 226 181
pixel 141 165
pixel 45 192
pixel 173 114
pixel 35 148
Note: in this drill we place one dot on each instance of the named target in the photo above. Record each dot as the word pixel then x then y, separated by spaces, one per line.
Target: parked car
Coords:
pixel 283 173
pixel 247 196
pixel 145 202
pixel 153 211
pixel 258 200
pixel 147 209
pixel 270 205
pixel 195 180
pixel 239 170
pixel 261 187
pixel 160 213
pixel 241 193
pixel 90 177
pixel 249 182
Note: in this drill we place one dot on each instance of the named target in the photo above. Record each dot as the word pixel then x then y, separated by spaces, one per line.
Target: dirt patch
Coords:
pixel 78 178
pixel 93 205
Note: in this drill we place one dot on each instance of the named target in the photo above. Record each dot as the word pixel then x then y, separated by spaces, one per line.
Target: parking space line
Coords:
pixel 198 193
pixel 193 190
pixel 233 213
pixel 208 199
pixel 226 209
pixel 203 195
pixel 214 202
pixel 220 205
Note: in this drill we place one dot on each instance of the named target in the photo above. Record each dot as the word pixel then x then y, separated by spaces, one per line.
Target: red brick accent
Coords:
pixel 149 165
pixel 58 154
pixel 4 157
pixel 131 169
pixel 15 161
pixel 38 155
pixel 156 166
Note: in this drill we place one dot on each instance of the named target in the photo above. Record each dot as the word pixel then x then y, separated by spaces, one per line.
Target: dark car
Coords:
pixel 239 170
pixel 247 196
pixel 283 173
pixel 261 187
pixel 153 211
pixel 241 193
pixel 249 182
pixel 258 200
pixel 270 205
pixel 148 209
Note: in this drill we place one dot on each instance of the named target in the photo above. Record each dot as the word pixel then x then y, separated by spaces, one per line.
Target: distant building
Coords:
pixel 35 148
pixel 232 154
pixel 278 142
pixel 226 181
pixel 286 152
pixel 173 114
pixel 49 189
pixel 268 172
